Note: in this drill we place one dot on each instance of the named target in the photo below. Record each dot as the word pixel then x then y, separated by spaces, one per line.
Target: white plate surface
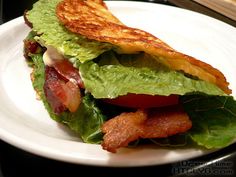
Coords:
pixel 25 123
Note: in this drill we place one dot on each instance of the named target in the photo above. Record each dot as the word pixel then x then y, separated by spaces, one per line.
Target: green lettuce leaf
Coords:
pixel 112 77
pixel 52 33
pixel 213 119
pixel 86 121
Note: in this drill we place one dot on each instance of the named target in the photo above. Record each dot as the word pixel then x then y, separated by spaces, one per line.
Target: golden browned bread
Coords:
pixel 91 18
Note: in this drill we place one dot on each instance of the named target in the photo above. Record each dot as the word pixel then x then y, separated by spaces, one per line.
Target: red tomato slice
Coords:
pixel 143 101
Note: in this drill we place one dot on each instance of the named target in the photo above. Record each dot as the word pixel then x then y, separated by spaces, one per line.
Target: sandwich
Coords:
pixel 118 86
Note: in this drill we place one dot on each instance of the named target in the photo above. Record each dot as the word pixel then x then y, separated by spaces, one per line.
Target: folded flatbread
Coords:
pixel 92 19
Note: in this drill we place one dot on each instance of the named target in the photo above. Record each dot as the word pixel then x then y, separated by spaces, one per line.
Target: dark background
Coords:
pixel 16 163
pixel 13 8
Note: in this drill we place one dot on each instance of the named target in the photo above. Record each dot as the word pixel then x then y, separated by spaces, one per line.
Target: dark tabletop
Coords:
pixel 17 162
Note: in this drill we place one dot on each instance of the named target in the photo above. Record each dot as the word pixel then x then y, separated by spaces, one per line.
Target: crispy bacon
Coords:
pixel 60 94
pixel 122 130
pixel 127 127
pixel 73 96
pixel 165 122
pixel 53 90
pixel 31 47
pixel 68 71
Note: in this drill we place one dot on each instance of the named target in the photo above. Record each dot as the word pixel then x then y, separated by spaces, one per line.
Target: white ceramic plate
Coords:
pixel 25 123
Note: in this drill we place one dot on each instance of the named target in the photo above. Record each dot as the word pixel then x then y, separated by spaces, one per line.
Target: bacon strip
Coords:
pixel 127 127
pixel 122 130
pixel 53 90
pixel 68 71
pixel 165 122
pixel 61 94
pixel 31 47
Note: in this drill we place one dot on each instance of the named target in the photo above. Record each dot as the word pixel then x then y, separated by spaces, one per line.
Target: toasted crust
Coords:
pixel 100 2
pixel 95 21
